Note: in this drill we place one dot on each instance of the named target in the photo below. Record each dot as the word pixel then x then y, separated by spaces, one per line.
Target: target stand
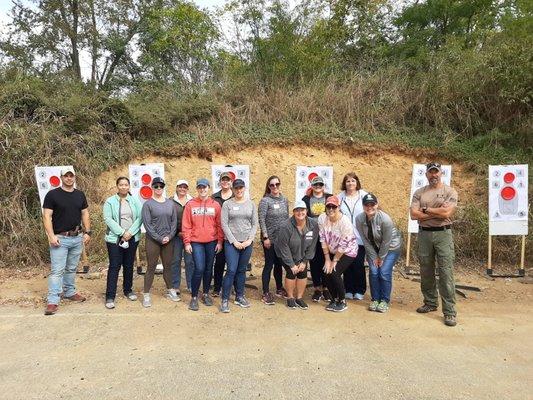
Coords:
pixel 521 269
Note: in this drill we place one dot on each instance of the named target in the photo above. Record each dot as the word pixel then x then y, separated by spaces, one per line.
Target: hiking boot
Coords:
pixel 331 306
pixel 147 300
pixel 340 306
pixel 282 293
pixel 425 309
pixel 449 320
pixel 110 304
pixel 242 301
pixel 173 295
pixel 51 309
pixel 358 296
pixel 268 299
pixel 373 305
pixel 76 297
pixel 193 305
pixel 301 304
pixel 207 300
pixel 383 307
pixel 326 295
pixel 317 294
pixel 131 296
pixel 224 306
pixel 291 303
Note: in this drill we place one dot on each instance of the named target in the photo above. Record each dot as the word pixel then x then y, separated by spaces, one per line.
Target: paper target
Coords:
pixel 141 177
pixel 48 178
pixel 419 180
pixel 235 171
pixel 508 199
pixel 305 174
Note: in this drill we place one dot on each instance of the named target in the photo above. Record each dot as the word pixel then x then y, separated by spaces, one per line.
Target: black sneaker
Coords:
pixel 326 295
pixel 316 296
pixel 301 304
pixel 340 306
pixel 331 306
pixel 291 303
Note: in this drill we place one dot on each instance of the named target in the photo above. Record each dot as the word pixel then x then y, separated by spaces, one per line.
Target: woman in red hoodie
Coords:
pixel 203 238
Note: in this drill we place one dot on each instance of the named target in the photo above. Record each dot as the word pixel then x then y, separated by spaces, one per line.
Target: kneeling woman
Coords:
pixel 239 222
pixel 339 245
pixel 295 246
pixel 382 244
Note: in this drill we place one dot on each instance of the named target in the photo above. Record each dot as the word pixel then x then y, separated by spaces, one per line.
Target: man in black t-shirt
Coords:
pixel 64 210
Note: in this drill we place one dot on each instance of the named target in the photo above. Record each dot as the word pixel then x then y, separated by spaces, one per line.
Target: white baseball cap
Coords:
pixel 299 204
pixel 182 182
pixel 66 170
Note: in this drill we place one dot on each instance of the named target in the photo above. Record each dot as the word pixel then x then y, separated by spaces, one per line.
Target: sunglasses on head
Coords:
pixel 272 185
pixel 158 186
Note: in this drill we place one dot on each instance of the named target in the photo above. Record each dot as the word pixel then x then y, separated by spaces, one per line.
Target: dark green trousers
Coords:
pixel 437 246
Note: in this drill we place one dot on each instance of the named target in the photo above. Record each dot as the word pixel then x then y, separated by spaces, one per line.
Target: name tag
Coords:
pixel 276 206
pixel 235 208
pixel 210 211
pixel 309 235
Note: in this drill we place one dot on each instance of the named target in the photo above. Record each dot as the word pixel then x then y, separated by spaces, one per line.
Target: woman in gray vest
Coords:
pixel 382 243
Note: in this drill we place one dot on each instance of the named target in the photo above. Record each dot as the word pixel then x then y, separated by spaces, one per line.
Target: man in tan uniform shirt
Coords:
pixel 433 206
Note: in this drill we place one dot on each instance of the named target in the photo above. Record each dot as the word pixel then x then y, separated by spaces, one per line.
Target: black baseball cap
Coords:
pixel 238 183
pixel 369 198
pixel 158 180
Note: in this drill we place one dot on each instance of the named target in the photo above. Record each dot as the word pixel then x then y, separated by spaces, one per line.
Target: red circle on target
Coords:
pixel 146 179
pixel 54 181
pixel 508 193
pixel 146 192
pixel 508 177
pixel 312 176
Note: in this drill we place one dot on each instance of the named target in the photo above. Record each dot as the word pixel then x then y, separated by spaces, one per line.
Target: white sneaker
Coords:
pixel 348 296
pixel 173 295
pixel 147 301
pixel 131 296
pixel 359 296
pixel 109 304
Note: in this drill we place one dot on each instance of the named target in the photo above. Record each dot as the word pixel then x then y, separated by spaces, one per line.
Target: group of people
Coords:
pixel 329 235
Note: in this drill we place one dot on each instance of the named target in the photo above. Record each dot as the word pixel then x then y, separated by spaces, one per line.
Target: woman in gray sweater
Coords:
pixel 382 243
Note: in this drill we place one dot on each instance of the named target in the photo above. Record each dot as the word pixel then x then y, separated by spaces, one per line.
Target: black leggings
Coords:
pixel 354 276
pixel 272 261
pixel 334 280
pixel 316 266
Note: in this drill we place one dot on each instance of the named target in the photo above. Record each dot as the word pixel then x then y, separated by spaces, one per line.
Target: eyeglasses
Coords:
pixel 330 207
pixel 273 185
pixel 158 186
pixel 318 185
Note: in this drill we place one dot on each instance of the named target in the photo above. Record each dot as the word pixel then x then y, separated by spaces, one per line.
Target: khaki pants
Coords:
pixel 437 245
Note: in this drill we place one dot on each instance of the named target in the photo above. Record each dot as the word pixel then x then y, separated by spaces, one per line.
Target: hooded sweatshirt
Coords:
pixel 293 247
pixel 201 221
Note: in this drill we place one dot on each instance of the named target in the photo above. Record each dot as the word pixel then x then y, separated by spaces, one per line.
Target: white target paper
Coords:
pixel 48 178
pixel 304 175
pixel 141 177
pixel 508 199
pixel 419 180
pixel 236 172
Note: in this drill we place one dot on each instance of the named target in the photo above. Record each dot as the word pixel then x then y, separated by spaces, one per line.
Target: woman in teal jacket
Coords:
pixel 122 215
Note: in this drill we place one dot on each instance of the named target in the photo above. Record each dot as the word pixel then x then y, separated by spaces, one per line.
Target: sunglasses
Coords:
pixel 273 185
pixel 318 185
pixel 183 187
pixel 330 207
pixel 158 186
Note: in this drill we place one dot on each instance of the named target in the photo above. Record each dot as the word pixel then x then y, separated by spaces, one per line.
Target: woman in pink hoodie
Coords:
pixel 203 238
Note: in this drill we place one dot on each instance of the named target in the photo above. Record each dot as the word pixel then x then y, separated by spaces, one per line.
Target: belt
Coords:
pixel 435 228
pixel 74 232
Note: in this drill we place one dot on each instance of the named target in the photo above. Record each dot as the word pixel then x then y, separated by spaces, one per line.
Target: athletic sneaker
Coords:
pixel 224 306
pixel 349 296
pixel 242 301
pixel 110 304
pixel 331 305
pixel 193 305
pixel 172 295
pixel 207 300
pixel 316 296
pixel 373 305
pixel 425 309
pixel 301 304
pixel 340 306
pixel 131 296
pixel 268 299
pixel 326 295
pixel 147 301
pixel 291 303
pixel 358 296
pixel 282 293
pixel 383 307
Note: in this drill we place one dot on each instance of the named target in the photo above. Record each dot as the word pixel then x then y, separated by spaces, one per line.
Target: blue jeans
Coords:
pixel 236 261
pixel 204 258
pixel 64 261
pixel 179 253
pixel 381 278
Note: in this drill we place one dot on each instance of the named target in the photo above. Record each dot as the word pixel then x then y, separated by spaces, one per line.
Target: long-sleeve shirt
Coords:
pixel 386 236
pixel 239 220
pixel 293 246
pixel 160 219
pixel 201 221
pixel 352 210
pixel 273 211
pixel 338 236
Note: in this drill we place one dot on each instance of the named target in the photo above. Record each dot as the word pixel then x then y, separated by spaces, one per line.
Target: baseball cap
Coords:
pixel 238 183
pixel 317 179
pixel 158 180
pixel 333 200
pixel 369 198
pixel 182 182
pixel 433 165
pixel 66 170
pixel 299 204
pixel 225 175
pixel 202 182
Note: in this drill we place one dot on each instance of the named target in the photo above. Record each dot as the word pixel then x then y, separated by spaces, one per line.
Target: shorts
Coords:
pixel 290 275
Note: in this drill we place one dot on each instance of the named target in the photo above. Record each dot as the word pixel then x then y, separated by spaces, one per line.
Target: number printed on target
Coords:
pixel 141 177
pixel 305 174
